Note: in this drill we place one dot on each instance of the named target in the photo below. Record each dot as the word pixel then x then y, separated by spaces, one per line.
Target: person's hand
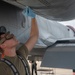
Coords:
pixel 28 12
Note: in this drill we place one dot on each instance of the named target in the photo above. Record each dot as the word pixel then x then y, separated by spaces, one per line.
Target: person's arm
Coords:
pixel 34 34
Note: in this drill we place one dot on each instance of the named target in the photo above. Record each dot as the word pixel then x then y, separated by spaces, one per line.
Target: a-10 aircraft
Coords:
pixel 55 46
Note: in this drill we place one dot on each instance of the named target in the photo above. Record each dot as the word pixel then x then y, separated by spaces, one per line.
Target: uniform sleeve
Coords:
pixel 23 51
pixel 3 70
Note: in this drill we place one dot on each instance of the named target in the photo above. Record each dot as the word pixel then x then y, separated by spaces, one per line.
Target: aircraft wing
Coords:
pixel 60 55
pixel 59 10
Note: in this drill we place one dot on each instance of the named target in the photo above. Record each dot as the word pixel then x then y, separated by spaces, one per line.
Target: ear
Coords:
pixel 2 45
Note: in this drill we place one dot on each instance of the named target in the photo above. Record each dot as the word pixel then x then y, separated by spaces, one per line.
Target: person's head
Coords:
pixel 7 40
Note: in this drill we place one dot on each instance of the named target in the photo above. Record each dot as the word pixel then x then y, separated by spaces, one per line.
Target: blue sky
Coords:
pixel 71 23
